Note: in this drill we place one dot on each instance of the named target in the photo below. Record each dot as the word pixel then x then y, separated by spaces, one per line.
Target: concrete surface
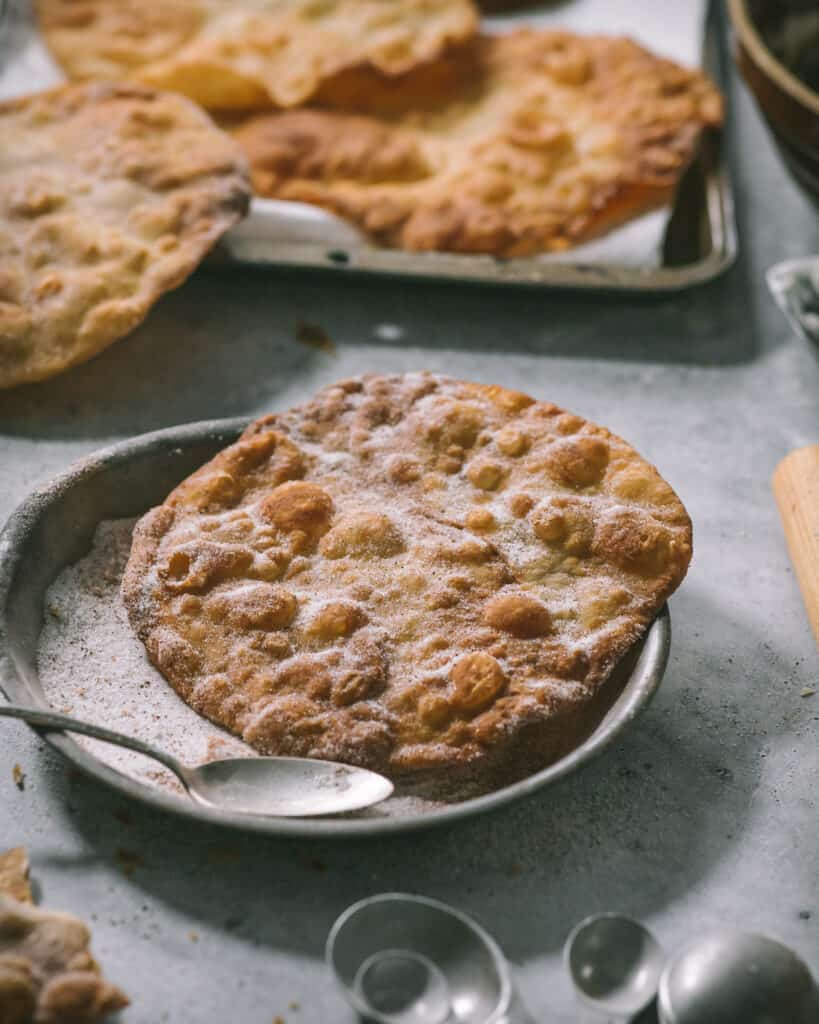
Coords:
pixel 705 813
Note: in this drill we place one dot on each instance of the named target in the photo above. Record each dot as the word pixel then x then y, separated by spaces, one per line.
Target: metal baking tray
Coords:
pixel 55 527
pixel 700 239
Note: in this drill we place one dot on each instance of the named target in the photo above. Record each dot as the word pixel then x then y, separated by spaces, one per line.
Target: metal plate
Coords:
pixel 700 240
pixel 55 527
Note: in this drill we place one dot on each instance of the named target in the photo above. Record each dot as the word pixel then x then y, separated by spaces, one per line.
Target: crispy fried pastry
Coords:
pixel 410 573
pixel 47 973
pixel 511 145
pixel 239 54
pixel 110 195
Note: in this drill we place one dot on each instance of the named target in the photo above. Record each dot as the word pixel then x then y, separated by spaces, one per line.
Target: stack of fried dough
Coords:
pixel 401 116
pixel 407 119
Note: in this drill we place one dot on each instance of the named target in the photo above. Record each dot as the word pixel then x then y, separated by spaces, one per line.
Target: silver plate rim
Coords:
pixel 19 681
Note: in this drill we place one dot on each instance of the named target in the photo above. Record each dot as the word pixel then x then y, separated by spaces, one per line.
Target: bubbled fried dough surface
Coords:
pixel 510 145
pixel 110 195
pixel 239 54
pixel 409 573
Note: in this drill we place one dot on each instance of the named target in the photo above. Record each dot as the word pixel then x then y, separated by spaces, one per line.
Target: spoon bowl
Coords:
pixel 291 787
pixel 282 787
pixel 615 964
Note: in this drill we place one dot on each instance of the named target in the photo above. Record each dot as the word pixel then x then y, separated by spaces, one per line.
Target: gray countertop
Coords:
pixel 704 813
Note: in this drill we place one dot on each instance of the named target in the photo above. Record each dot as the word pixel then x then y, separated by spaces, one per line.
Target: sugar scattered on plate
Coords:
pixel 93 666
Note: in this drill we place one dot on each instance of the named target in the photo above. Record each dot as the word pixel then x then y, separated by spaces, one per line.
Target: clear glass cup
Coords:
pixel 405 959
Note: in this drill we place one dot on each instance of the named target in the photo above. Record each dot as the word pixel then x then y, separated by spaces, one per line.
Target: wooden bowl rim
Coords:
pixel 762 56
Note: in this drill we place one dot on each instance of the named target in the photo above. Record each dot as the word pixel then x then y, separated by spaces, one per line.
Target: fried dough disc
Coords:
pixel 235 54
pixel 110 195
pixel 422 576
pixel 511 145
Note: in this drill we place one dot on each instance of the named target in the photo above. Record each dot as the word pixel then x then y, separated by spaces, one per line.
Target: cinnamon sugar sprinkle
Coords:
pixel 92 666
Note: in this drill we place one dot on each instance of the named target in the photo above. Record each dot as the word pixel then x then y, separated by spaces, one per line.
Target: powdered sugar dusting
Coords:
pixel 93 667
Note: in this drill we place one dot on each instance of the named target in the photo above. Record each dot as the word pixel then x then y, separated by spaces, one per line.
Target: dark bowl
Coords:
pixel 777 50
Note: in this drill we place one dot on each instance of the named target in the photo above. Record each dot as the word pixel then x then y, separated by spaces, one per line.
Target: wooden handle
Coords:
pixel 796 488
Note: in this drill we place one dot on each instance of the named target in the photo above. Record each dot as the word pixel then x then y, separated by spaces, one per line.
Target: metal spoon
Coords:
pixel 615 964
pixel 728 976
pixel 285 787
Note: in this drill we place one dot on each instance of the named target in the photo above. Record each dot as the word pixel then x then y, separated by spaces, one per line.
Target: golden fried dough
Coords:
pixel 511 145
pixel 110 195
pixel 410 573
pixel 47 973
pixel 239 54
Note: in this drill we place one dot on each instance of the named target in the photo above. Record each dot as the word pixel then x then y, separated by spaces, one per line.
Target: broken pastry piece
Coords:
pixel 47 973
pixel 426 577
pixel 240 54
pixel 509 145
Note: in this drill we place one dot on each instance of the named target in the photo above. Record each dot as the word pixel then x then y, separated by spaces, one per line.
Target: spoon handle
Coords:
pixel 51 720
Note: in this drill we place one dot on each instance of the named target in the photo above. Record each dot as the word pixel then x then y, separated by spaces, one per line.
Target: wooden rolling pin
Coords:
pixel 796 487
